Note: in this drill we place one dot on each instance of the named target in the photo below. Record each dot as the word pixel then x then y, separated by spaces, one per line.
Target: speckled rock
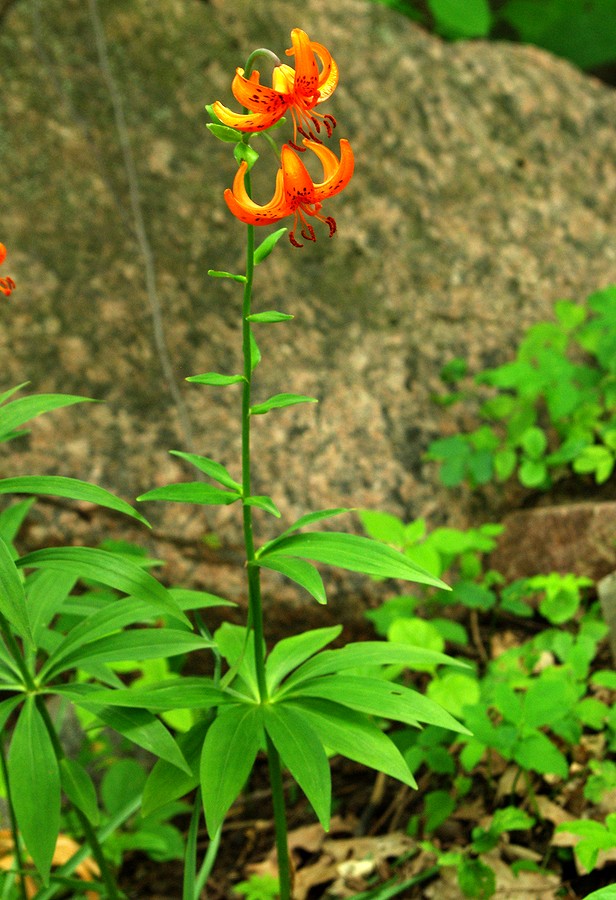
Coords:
pixel 484 191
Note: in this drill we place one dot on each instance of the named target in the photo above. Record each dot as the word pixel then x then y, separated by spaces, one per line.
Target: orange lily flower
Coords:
pixel 298 90
pixel 6 284
pixel 296 194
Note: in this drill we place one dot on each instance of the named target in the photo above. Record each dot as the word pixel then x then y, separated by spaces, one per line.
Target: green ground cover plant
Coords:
pixel 552 409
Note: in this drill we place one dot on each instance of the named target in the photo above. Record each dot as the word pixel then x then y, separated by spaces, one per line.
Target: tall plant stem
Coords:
pixel 254 581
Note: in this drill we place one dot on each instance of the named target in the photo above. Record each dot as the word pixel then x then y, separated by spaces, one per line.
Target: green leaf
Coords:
pixel 303 754
pixel 192 492
pixel 166 782
pixel 236 646
pixel 224 133
pixel 140 727
pixel 532 474
pixel 229 751
pixel 264 503
pixel 291 652
pixel 12 595
pixel 13 517
pixel 209 467
pixel 263 251
pixel 366 653
pixel 461 18
pixel 453 691
pixel 307 519
pixel 376 697
pixel 245 153
pixel 176 693
pixel 106 568
pixel 279 401
pixel 537 753
pixel 255 353
pixel 134 644
pixel 35 786
pixel 269 316
pixel 79 788
pixel 14 414
pixel 215 379
pixel 352 552
pixel 72 488
pixel 299 571
pixel 351 734
pixel 46 592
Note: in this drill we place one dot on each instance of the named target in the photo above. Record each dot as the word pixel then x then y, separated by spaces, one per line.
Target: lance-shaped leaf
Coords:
pixel 352 552
pixel 269 316
pixel 229 751
pixel 107 568
pixel 15 413
pixel 308 519
pixel 303 754
pixel 367 653
pixel 215 379
pixel 134 644
pixel 47 591
pixel 35 786
pixel 177 693
pixel 79 788
pixel 353 735
pixel 209 467
pixel 266 246
pixel 293 651
pixel 166 782
pixel 12 595
pixel 279 401
pixel 299 571
pixel 13 517
pixel 236 646
pixel 188 599
pixel 140 727
pixel 264 503
pixel 71 488
pixel 192 492
pixel 377 697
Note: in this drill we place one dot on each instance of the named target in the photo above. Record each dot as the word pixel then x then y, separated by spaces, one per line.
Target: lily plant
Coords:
pixel 300 702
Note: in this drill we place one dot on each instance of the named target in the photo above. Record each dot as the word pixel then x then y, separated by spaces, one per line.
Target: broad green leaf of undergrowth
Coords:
pixel 107 568
pixel 229 751
pixel 349 551
pixel 461 18
pixel 291 652
pixel 35 786
pixel 349 733
pixel 12 595
pixel 71 488
pixel 79 788
pixel 303 754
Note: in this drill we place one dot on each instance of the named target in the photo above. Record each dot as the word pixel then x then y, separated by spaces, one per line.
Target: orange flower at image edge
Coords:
pixel 298 90
pixel 296 194
pixel 6 284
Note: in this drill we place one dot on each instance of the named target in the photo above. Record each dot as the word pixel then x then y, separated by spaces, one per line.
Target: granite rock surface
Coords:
pixel 484 191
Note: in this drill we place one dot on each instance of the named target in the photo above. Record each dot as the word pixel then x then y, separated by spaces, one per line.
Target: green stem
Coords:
pixel 89 832
pixel 208 863
pixel 13 823
pixel 254 579
pixel 280 821
pixel 190 857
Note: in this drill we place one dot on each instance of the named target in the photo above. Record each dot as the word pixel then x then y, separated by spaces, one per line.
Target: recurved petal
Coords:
pixel 298 184
pixel 2 253
pixel 306 70
pixel 328 78
pixel 336 172
pixel 257 97
pixel 245 209
pixel 245 122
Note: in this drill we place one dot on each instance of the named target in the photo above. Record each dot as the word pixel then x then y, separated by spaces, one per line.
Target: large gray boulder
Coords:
pixel 484 191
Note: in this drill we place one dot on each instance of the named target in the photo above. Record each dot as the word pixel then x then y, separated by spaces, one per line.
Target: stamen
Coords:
pixel 7 285
pixel 330 124
pixel 297 147
pixel 293 240
pixel 316 123
pixel 308 232
pixel 331 223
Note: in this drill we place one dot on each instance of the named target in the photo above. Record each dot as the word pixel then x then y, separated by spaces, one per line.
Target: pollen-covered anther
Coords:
pixel 330 123
pixel 331 224
pixel 294 240
pixel 7 286
pixel 307 232
pixel 297 147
